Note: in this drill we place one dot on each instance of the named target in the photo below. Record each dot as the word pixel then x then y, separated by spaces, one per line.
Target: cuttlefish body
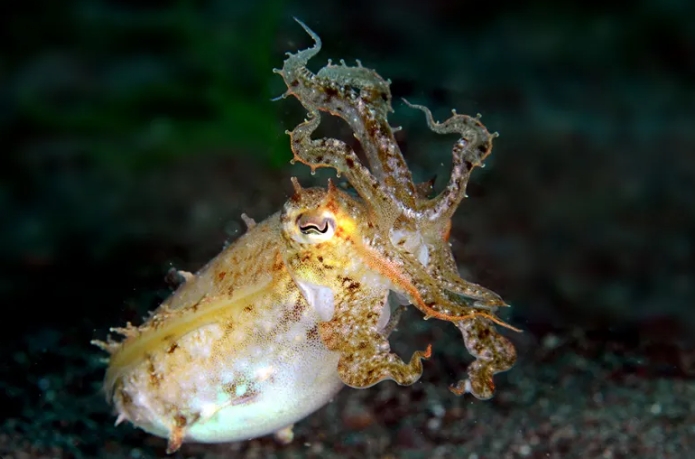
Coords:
pixel 273 327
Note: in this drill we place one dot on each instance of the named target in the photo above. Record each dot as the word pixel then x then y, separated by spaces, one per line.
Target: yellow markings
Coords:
pixel 177 325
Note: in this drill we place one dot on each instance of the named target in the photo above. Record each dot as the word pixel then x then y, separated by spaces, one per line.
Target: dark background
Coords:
pixel 135 133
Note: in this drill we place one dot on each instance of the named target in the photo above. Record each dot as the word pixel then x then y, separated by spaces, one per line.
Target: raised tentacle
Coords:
pixel 294 67
pixel 468 152
pixel 363 99
pixel 317 153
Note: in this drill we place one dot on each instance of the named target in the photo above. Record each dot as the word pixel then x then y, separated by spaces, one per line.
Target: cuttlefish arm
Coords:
pixel 473 146
pixel 363 99
pixel 317 153
pixel 365 353
pixel 334 153
pixel 494 352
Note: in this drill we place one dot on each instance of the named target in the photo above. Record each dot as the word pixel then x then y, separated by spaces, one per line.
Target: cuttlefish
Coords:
pixel 271 328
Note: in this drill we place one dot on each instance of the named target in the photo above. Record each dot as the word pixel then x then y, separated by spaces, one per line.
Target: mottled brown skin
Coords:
pixel 404 234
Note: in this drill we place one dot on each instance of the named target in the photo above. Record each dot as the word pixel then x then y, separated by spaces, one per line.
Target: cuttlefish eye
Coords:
pixel 315 227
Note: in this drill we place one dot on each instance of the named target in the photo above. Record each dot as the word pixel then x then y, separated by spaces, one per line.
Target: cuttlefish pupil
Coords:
pixel 315 224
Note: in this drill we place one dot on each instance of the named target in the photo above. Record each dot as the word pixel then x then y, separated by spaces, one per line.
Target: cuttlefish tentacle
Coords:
pixel 412 280
pixel 494 353
pixel 318 153
pixel 469 151
pixel 367 366
pixel 366 356
pixel 443 268
pixel 484 298
pixel 363 99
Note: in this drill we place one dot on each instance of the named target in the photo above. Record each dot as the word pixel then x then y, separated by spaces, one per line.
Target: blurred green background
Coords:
pixel 135 133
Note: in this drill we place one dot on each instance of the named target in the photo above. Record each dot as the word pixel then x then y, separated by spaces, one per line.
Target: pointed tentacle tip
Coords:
pixel 416 106
pixel 311 33
pixel 281 96
pixel 461 387
pixel 428 352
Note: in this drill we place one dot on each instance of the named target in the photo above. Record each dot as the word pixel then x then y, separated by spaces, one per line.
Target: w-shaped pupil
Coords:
pixel 313 228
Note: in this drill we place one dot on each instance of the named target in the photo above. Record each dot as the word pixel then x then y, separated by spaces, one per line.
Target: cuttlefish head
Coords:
pixel 323 229
pixel 318 219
